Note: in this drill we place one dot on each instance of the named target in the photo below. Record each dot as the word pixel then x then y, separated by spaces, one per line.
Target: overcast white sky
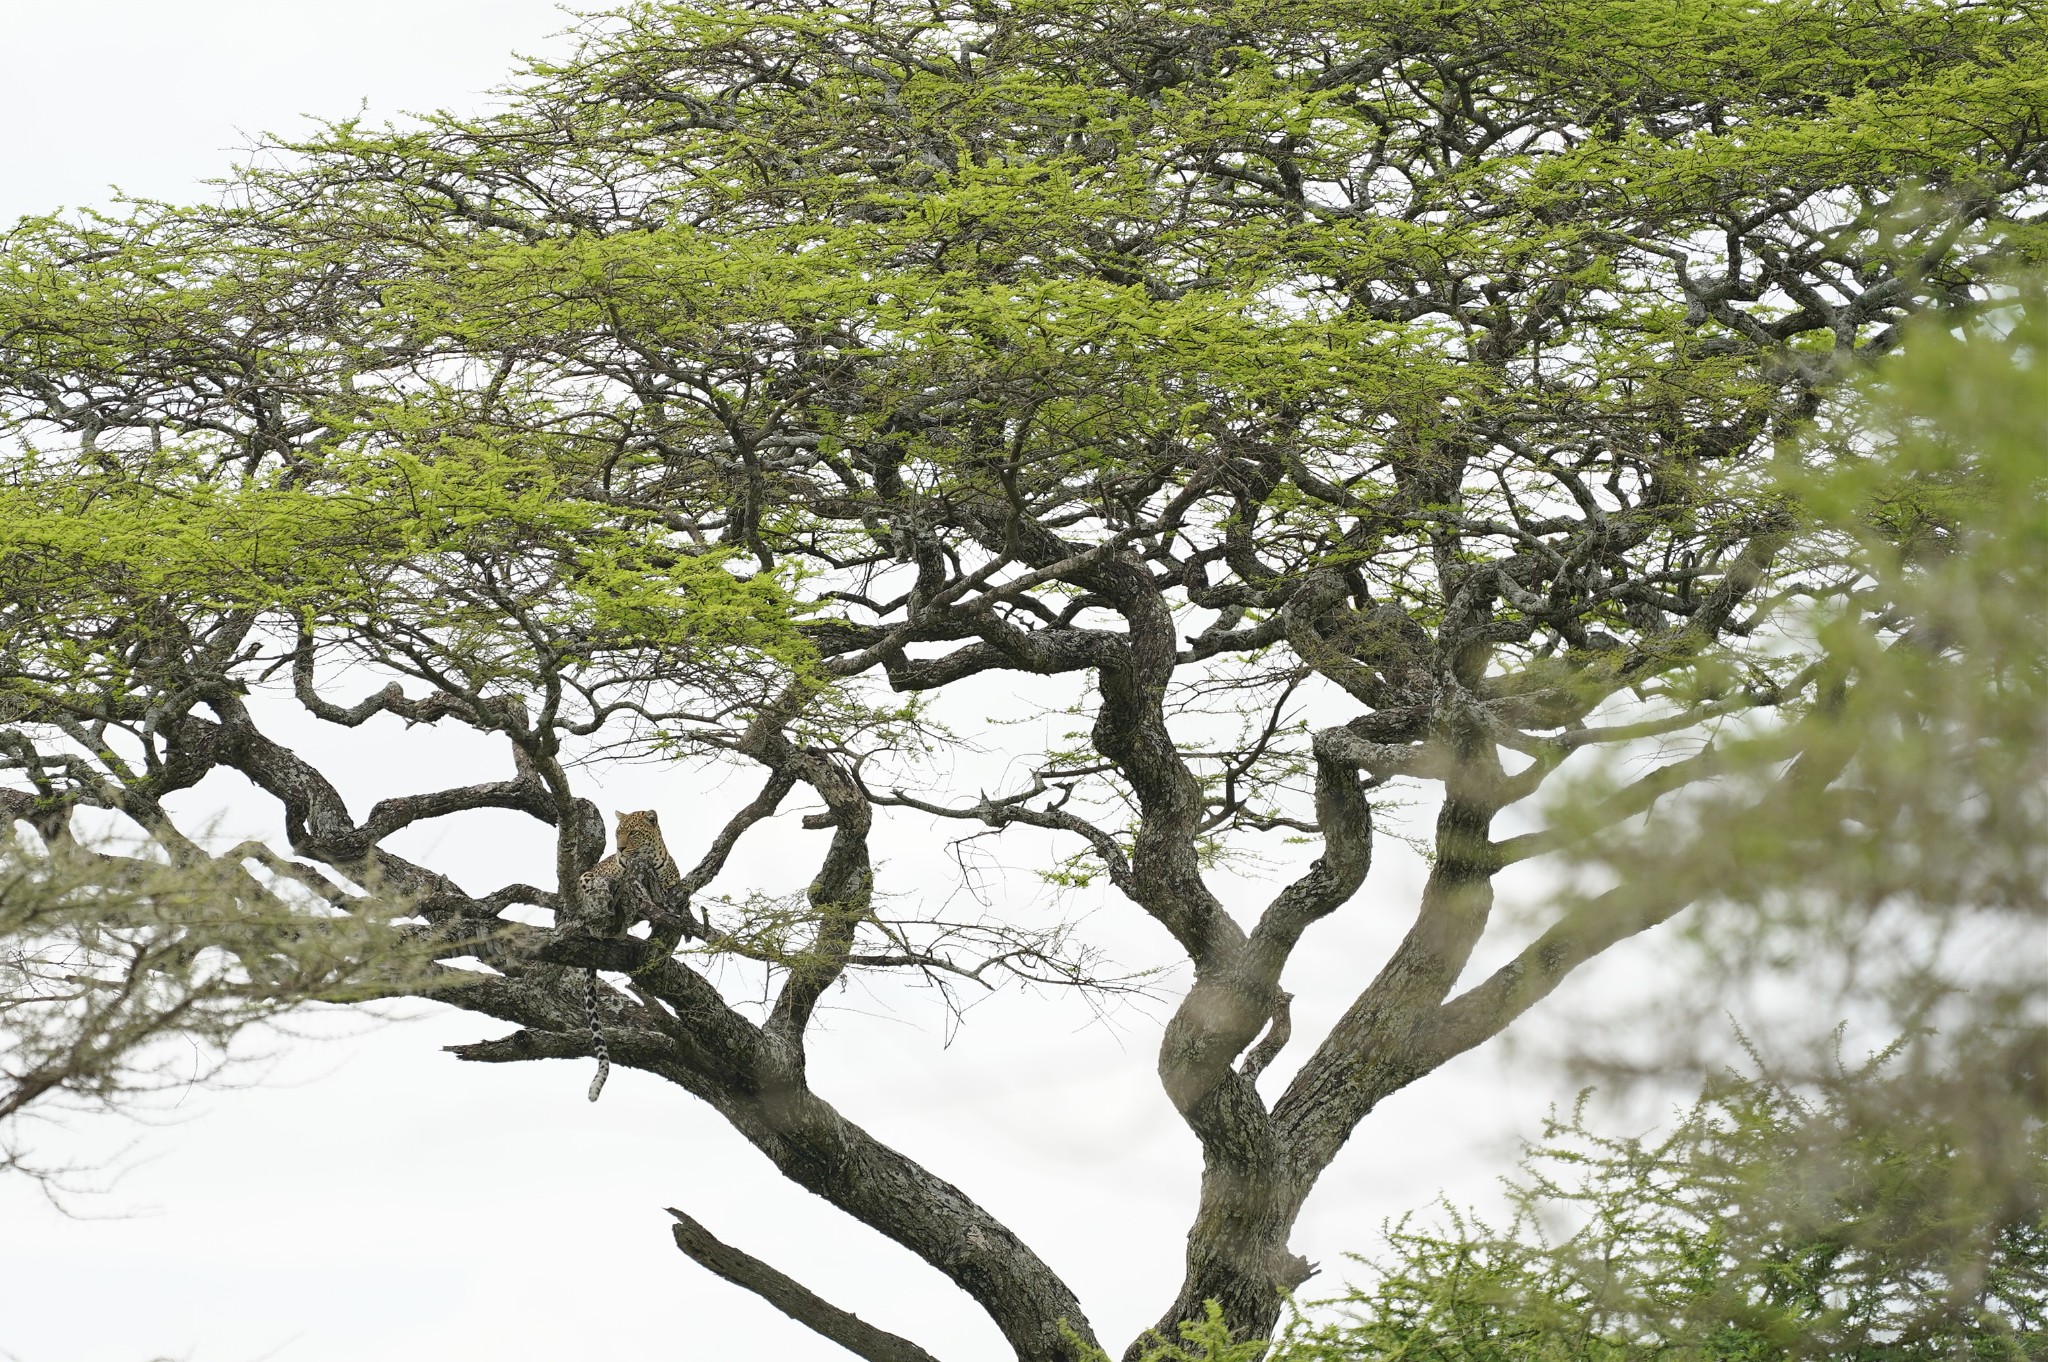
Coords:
pixel 371 1198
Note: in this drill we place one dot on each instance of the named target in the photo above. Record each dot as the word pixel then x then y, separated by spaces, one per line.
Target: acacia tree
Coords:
pixel 1338 396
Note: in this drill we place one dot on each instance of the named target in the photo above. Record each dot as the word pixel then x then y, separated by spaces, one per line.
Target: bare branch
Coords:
pixel 791 1297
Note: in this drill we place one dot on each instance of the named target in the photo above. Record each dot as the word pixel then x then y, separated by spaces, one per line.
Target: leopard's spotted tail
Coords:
pixel 604 1056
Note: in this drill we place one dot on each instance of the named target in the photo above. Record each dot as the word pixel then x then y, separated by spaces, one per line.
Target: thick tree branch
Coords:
pixel 1367 1050
pixel 791 1297
pixel 1483 1011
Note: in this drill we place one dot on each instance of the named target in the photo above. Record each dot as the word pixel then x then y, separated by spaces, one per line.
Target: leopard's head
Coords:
pixel 640 831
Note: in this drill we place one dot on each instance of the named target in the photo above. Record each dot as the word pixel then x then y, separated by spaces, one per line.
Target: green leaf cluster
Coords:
pixel 1767 1225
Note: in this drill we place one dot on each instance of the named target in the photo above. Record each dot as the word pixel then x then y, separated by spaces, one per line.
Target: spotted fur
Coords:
pixel 604 1054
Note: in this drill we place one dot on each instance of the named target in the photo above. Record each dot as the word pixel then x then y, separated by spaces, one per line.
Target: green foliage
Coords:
pixel 618 376
pixel 1766 1225
pixel 1208 1339
pixel 474 546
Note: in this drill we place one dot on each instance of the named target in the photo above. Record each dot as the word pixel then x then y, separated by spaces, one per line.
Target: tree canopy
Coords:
pixel 1334 397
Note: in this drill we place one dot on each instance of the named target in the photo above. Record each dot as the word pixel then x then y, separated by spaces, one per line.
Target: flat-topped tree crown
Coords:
pixel 1334 394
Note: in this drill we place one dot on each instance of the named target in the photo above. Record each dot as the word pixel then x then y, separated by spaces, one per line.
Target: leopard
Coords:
pixel 641 848
pixel 608 891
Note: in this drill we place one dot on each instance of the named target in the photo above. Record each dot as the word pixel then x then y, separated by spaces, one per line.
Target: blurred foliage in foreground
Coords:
pixel 1882 858
pixel 123 976
pixel 1861 1223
